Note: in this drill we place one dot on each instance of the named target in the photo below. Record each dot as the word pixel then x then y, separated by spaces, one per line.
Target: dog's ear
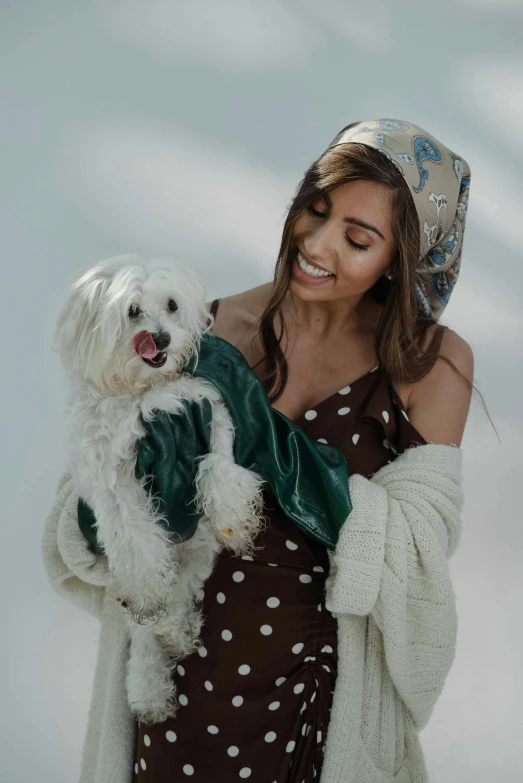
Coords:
pixel 77 335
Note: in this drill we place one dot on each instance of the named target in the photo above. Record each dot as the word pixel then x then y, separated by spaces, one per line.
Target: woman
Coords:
pixel 255 701
pixel 320 664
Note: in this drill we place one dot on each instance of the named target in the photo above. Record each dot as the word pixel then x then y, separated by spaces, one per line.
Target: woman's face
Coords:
pixel 347 232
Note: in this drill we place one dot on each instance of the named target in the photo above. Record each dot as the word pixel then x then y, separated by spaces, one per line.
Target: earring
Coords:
pixel 389 277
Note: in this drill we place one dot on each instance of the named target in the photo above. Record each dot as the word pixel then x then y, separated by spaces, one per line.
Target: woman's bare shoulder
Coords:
pixel 238 313
pixel 439 403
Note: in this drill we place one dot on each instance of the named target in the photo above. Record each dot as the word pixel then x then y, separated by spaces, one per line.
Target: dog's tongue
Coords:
pixel 143 344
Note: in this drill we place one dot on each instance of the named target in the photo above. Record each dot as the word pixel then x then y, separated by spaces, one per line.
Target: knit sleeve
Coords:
pixel 73 570
pixel 391 564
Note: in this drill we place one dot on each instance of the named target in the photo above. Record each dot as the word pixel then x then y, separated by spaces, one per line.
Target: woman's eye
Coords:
pixel 352 243
pixel 172 306
pixel 134 311
pixel 315 212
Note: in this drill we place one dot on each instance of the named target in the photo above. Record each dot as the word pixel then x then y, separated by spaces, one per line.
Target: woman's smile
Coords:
pixel 308 273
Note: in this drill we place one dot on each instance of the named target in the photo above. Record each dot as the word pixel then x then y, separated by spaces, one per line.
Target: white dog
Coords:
pixel 125 334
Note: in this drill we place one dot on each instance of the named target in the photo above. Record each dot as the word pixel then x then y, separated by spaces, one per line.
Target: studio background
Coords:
pixel 181 130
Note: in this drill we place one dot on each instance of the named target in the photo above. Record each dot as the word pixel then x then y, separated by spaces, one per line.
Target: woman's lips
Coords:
pixel 303 277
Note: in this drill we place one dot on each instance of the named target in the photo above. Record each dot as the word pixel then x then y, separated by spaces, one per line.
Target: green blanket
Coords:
pixel 308 478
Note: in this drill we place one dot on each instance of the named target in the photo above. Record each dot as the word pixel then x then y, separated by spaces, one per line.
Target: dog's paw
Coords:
pixel 145 596
pixel 230 498
pixel 235 512
pixel 145 601
pixel 141 612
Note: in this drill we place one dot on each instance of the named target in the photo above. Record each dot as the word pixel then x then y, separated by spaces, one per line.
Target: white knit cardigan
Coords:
pixel 389 588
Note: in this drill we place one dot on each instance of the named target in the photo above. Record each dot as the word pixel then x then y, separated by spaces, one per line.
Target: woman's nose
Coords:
pixel 318 243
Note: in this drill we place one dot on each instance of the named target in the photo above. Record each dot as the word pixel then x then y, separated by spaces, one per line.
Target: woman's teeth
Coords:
pixel 312 270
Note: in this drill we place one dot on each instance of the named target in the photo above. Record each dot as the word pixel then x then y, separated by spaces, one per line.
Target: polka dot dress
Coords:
pixel 255 699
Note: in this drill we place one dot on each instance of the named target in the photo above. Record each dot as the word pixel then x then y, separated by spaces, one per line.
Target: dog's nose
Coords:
pixel 162 340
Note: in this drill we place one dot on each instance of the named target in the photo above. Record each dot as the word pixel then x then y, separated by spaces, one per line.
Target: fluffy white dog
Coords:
pixel 125 334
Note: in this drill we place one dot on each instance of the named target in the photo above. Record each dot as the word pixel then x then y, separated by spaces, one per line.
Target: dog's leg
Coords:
pixel 151 691
pixel 155 648
pixel 229 495
pixel 180 628
pixel 141 556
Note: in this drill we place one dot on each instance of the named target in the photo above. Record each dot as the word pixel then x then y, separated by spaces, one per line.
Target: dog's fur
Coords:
pixel 160 584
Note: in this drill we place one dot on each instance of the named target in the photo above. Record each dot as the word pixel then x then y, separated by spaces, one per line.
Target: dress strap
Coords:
pixel 214 307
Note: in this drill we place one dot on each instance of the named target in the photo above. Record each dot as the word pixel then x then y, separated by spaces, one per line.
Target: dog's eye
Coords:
pixel 134 311
pixel 172 306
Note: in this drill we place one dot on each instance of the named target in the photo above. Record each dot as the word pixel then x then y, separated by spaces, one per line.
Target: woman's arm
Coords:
pixel 439 404
pixel 391 563
pixel 73 571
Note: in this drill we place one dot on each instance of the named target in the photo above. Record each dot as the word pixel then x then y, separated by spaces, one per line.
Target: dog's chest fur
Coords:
pixel 103 431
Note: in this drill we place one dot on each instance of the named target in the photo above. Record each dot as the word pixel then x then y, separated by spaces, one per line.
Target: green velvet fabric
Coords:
pixel 308 478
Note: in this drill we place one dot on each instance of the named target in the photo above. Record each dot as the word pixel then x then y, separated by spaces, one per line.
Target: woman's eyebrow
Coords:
pixel 353 221
pixel 363 224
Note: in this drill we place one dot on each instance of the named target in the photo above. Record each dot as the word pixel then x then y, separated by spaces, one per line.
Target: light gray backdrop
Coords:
pixel 180 130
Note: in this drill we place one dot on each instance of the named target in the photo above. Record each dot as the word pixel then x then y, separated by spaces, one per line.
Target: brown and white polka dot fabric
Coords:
pixel 255 699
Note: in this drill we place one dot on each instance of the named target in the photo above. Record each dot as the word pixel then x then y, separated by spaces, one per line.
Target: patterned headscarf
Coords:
pixel 439 181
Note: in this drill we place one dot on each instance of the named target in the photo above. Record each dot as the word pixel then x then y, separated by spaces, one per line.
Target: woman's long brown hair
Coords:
pixel 402 329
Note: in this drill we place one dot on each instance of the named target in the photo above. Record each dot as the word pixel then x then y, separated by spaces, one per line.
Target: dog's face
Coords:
pixel 127 325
